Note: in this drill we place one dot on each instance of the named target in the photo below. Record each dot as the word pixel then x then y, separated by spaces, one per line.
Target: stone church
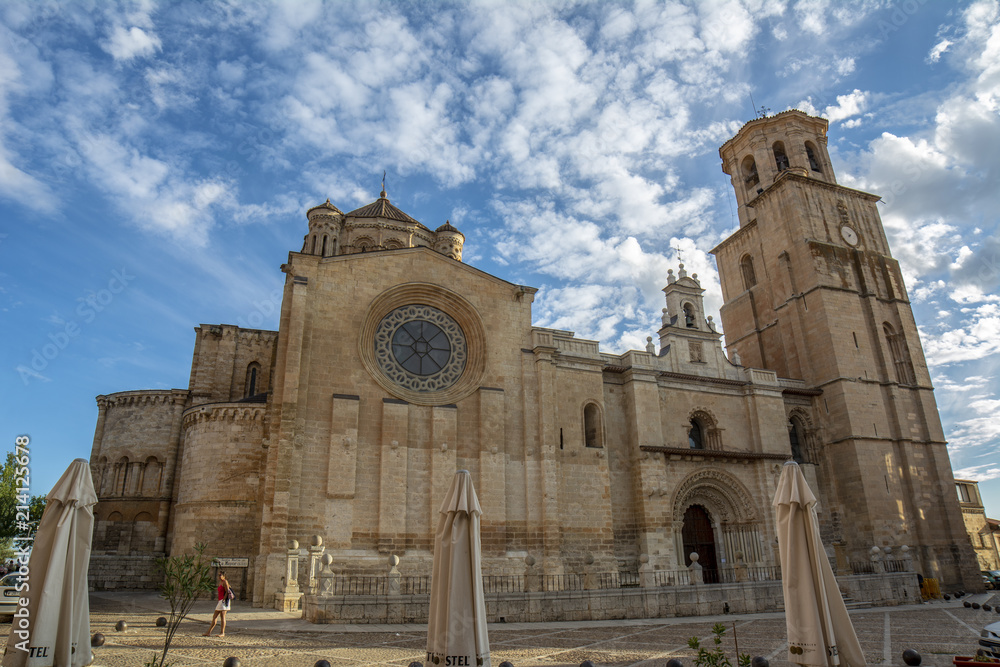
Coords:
pixel 396 364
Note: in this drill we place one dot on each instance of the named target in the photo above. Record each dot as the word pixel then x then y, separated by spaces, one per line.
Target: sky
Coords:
pixel 157 160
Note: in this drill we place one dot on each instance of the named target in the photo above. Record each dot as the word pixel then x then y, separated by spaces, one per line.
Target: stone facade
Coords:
pixel 983 532
pixel 395 365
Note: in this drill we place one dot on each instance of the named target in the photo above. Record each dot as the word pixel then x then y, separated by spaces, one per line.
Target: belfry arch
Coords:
pixel 736 521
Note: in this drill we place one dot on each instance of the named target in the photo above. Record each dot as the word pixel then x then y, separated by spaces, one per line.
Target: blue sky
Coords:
pixel 156 162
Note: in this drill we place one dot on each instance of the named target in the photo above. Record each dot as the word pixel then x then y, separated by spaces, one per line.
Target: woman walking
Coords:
pixel 225 595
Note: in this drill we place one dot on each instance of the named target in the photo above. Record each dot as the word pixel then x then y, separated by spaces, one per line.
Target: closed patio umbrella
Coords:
pixel 819 630
pixel 456 629
pixel 58 611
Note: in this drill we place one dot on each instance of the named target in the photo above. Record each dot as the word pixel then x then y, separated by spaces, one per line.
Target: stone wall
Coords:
pixel 124 573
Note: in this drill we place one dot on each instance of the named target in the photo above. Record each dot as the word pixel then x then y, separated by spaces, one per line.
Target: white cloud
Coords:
pixel 847 106
pixel 134 42
pixel 938 50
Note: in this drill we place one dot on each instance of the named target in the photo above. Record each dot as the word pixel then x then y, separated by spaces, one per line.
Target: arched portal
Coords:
pixel 699 537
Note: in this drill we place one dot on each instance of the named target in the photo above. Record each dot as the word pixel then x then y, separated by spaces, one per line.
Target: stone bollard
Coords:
pixel 326 575
pixel 315 554
pixel 695 570
pixel 287 599
pixel 232 661
pixel 394 576
pixel 532 580
pixel 674 662
pixel 647 576
pixel 911 657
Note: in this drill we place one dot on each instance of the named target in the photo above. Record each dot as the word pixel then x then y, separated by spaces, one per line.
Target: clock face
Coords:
pixel 420 348
pixel 850 236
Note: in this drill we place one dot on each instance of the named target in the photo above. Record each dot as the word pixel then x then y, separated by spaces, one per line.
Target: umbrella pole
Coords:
pixel 737 642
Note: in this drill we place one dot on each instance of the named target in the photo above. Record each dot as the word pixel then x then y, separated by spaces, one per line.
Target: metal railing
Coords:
pixel 349 584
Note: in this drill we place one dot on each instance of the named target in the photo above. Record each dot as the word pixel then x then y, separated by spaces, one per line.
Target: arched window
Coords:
pixel 749 170
pixel 363 244
pixel 696 435
pixel 689 319
pixel 749 275
pixel 121 476
pixel 323 253
pixel 314 244
pixel 900 354
pixel 593 433
pixel 392 244
pixel 780 159
pixel 253 380
pixel 813 160
pixel 795 439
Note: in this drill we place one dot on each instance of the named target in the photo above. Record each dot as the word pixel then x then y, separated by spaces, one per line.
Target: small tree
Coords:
pixel 185 578
pixel 716 657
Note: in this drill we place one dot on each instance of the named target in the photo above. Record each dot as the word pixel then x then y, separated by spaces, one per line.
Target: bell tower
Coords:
pixel 812 292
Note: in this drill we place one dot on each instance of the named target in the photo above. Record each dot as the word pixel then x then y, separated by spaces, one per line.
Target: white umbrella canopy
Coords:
pixel 58 611
pixel 819 630
pixel 456 628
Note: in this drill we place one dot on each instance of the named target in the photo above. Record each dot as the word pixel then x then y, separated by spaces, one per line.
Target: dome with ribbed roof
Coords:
pixel 383 208
pixel 448 227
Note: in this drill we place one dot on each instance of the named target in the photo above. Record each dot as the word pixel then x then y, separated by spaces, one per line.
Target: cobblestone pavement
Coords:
pixel 264 638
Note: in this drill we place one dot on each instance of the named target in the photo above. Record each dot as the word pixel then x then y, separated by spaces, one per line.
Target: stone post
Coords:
pixel 876 559
pixel 326 575
pixel 907 558
pixel 695 570
pixel 647 577
pixel 886 557
pixel 840 556
pixel 589 577
pixel 532 580
pixel 739 568
pixel 394 576
pixel 288 597
pixel 315 554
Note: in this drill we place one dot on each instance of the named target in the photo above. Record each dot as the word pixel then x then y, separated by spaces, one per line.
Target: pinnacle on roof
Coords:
pixel 382 208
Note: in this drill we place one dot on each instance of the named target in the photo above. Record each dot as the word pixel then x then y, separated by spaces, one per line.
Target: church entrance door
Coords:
pixel 699 537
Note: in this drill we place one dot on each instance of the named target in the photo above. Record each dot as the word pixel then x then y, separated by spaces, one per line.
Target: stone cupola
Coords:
pixel 325 226
pixel 448 241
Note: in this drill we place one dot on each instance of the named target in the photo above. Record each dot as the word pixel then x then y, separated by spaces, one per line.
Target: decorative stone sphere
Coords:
pixel 586 663
pixel 232 661
pixel 529 560
pixel 293 544
pixel 588 558
pixel 322 663
pixel 502 664
pixel 911 657
pixel 759 661
pixel 987 607
pixel 643 558
pixel 316 541
pixel 739 555
pixel 905 549
pixel 97 640
pixel 674 662
pixel 327 559
pixel 121 626
pixel 946 596
pixel 875 550
pixel 966 604
pixel 975 605
pixel 694 557
pixel 997 609
pixel 420 664
pixel 393 560
pixel 161 621
pixel 960 594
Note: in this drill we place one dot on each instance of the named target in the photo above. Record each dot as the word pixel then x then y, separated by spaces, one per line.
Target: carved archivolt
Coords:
pixel 724 496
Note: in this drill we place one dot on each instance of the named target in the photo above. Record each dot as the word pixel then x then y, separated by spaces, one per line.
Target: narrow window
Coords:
pixel 963 493
pixel 696 438
pixel 314 244
pixel 749 169
pixel 811 154
pixel 795 440
pixel 749 275
pixel 855 334
pixel 900 354
pixel 780 159
pixel 560 439
pixel 324 246
pixel 253 378
pixel 592 426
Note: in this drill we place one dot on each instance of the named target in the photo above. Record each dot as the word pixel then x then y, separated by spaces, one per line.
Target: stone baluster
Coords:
pixel 326 575
pixel 647 576
pixel 907 558
pixel 876 559
pixel 287 598
pixel 532 580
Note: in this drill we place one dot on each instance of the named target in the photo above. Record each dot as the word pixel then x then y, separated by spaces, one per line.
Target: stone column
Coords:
pixel 647 576
pixel 315 554
pixel 326 575
pixel 532 580
pixel 287 598
pixel 876 559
